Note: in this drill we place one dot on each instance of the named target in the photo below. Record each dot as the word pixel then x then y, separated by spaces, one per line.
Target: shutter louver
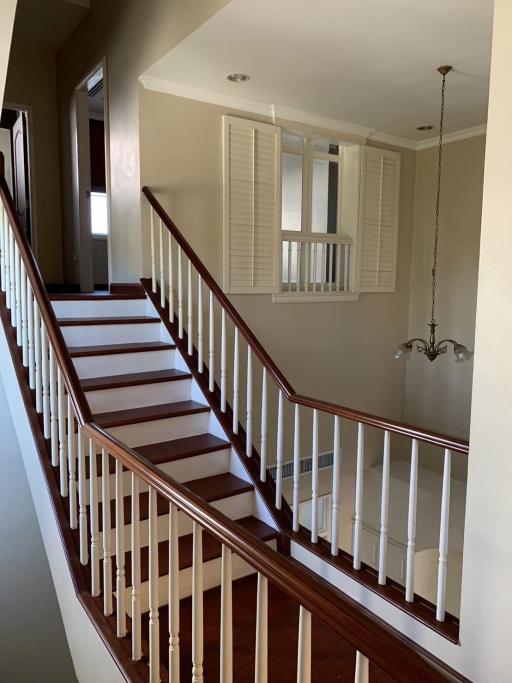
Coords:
pixel 251 173
pixel 379 220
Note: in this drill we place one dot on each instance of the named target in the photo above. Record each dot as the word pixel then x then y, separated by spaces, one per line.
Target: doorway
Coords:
pixel 91 167
pixel 14 143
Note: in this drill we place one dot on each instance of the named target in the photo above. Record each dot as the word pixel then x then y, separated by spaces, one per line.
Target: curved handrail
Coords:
pixel 414 432
pixel 375 639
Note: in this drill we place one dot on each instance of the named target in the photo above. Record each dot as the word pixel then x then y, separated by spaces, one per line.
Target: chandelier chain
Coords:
pixel 438 197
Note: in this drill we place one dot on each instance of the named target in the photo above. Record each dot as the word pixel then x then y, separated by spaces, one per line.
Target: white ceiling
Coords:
pixel 367 62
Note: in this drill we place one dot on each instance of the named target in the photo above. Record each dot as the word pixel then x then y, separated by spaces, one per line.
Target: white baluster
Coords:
pixel 362 669
pixel 171 281
pixel 296 468
pixel 45 389
pixel 263 439
pixel 135 545
pixel 180 294
pixel 248 421
pixel 323 257
pixel 299 273
pixel 358 508
pixel 223 371
pixel 338 267
pixel 94 520
pixel 443 538
pixel 307 273
pixel 17 294
pixel 235 382
pixel 411 524
pixel 279 451
pixel 82 500
pixel 336 467
pixel 199 324
pixel 120 553
pixel 154 628
pixel 153 259
pixel 289 266
pixel 63 446
pixel 37 358
pixel 331 265
pixel 211 347
pixel 12 278
pixel 73 513
pixel 314 481
pixel 226 618
pixel 30 337
pixel 261 654
pixel 54 431
pixel 314 258
pixel 197 604
pixel 2 251
pixel 161 261
pixel 106 526
pixel 304 647
pixel 190 329
pixel 24 315
pixel 174 596
pixel 384 508
pixel 346 267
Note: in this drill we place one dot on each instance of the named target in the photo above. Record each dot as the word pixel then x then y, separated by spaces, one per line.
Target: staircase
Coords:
pixel 182 550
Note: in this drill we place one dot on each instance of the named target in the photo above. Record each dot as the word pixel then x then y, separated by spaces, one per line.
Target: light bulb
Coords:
pixel 404 351
pixel 462 353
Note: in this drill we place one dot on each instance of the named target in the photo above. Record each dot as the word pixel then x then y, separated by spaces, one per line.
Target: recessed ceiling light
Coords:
pixel 237 78
pixel 426 127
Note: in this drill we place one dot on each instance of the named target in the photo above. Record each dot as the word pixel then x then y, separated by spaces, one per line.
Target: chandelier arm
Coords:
pixel 417 339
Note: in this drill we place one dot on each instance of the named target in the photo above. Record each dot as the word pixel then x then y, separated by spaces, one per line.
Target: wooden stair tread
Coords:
pixel 109 320
pixel 133 379
pixel 209 488
pixel 178 449
pixel 109 349
pixel 212 549
pixel 160 411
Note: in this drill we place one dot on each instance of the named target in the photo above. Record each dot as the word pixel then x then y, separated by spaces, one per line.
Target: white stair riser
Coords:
pixel 123 363
pixel 211 579
pixel 101 308
pixel 197 467
pixel 93 335
pixel 105 400
pixel 234 507
pixel 155 431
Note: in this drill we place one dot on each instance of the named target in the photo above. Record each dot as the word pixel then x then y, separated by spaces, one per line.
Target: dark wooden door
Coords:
pixel 21 177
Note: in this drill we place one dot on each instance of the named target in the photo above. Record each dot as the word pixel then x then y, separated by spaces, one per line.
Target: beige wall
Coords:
pixel 338 351
pixel 132 35
pixel 486 610
pixel 7 12
pixel 31 84
pixel 438 395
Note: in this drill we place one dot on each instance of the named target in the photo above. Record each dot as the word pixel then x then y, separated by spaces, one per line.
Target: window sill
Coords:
pixel 313 297
pixel 102 238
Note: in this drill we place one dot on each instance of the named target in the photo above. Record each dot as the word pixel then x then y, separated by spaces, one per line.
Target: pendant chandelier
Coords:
pixel 432 348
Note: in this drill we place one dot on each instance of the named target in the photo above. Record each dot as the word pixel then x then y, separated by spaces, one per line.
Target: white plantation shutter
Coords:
pixel 252 171
pixel 378 232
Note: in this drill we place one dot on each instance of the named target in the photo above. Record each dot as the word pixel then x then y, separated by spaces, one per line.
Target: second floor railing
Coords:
pixel 274 421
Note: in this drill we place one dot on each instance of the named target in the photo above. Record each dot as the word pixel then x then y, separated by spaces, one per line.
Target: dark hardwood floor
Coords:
pixel 333 659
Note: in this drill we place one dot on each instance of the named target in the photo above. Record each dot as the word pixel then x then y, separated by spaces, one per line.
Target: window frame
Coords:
pixel 309 155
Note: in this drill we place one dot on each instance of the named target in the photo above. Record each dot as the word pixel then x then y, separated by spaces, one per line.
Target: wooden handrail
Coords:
pixel 375 639
pixel 414 432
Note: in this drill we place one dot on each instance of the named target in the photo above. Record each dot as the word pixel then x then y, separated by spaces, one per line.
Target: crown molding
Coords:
pixel 462 134
pixel 386 138
pixel 275 111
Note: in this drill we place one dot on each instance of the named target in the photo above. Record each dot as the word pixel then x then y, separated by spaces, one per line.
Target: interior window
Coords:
pixel 99 214
pixel 292 192
pixel 324 216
